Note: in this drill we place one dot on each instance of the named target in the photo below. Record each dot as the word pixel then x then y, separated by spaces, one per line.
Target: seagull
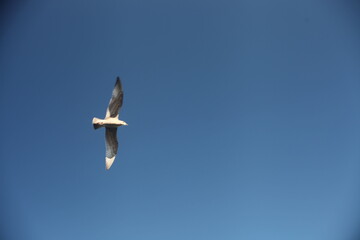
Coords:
pixel 111 123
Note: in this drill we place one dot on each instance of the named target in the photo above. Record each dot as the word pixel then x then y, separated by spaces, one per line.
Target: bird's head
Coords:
pixel 123 123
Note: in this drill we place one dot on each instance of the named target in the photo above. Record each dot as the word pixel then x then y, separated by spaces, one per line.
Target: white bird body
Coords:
pixel 109 122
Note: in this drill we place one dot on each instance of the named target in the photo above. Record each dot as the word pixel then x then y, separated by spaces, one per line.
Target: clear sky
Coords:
pixel 243 120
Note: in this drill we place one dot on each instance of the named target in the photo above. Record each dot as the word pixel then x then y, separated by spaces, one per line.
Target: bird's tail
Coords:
pixel 96 124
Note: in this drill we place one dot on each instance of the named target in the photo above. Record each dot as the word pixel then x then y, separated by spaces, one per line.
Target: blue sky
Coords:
pixel 243 120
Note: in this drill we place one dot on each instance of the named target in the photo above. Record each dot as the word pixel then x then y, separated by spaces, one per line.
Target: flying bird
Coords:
pixel 111 123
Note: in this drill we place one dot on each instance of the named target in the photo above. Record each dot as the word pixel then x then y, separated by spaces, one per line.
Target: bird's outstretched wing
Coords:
pixel 111 146
pixel 115 101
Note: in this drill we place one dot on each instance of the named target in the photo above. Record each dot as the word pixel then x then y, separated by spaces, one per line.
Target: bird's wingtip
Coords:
pixel 109 162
